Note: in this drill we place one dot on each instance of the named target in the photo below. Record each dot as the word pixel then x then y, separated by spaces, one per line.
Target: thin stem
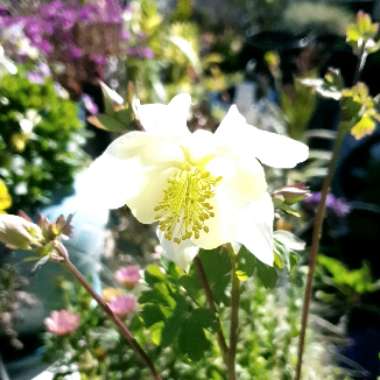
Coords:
pixel 318 223
pixel 234 326
pixel 115 319
pixel 211 303
pixel 317 231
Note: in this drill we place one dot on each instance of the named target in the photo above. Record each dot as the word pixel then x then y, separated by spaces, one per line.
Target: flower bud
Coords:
pixel 291 194
pixel 19 233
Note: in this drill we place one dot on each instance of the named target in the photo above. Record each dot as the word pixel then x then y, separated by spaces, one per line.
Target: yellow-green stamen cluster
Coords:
pixel 185 208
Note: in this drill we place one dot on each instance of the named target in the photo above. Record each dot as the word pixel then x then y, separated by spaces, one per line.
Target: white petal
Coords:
pixel 277 150
pixel 150 194
pixel 109 182
pixel 149 148
pixel 164 119
pixel 234 130
pixel 181 254
pixel 243 181
pixel 289 240
pixel 255 229
pixel 270 148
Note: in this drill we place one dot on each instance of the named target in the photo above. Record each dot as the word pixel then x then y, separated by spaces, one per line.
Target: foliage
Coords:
pixel 297 106
pixel 172 61
pixel 12 297
pixel 40 141
pixel 176 324
pixel 361 35
pixel 343 287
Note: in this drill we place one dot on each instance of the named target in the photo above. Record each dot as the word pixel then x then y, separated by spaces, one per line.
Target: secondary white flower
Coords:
pixel 203 189
pixel 6 65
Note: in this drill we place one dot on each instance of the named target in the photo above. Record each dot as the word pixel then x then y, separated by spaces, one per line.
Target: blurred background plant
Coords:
pixel 12 297
pixel 254 53
pixel 41 141
pixel 270 346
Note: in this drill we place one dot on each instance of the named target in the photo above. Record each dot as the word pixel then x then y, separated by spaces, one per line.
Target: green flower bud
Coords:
pixel 19 233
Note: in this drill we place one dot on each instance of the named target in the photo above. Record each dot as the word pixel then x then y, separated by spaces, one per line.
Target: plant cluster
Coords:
pixel 41 141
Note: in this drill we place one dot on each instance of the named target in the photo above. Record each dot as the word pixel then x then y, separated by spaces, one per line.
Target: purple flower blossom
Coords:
pixel 128 276
pixel 62 322
pixel 337 205
pixel 89 104
pixel 140 52
pixel 52 28
pixel 123 305
pixel 39 75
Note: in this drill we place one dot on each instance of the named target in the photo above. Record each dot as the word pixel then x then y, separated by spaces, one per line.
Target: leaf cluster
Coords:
pixel 38 166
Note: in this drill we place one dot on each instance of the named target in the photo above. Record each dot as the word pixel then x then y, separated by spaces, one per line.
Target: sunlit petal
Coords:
pixel 182 254
pixel 255 229
pixel 165 119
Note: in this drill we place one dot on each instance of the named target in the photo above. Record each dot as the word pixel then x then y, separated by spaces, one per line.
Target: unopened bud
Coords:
pixel 19 233
pixel 291 194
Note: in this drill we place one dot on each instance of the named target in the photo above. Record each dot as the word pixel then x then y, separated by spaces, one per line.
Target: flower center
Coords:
pixel 185 208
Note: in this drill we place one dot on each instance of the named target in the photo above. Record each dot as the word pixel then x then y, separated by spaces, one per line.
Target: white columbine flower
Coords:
pixel 203 189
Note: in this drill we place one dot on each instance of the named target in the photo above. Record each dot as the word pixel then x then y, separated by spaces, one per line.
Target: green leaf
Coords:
pixel 107 122
pixel 217 266
pixel 156 333
pixel 153 274
pixel 250 265
pixel 152 314
pixel 158 294
pixel 192 340
pixel 172 325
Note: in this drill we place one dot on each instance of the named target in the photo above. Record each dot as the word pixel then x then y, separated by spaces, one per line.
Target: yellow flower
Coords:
pixel 5 198
pixel 202 189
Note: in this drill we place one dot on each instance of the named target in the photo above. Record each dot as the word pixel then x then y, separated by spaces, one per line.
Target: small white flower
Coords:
pixel 6 65
pixel 202 189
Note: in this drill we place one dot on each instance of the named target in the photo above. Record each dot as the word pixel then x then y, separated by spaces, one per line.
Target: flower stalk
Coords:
pixel 318 224
pixel 211 303
pixel 125 332
pixel 234 323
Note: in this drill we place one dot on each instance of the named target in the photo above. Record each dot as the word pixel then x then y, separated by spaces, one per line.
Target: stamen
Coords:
pixel 185 208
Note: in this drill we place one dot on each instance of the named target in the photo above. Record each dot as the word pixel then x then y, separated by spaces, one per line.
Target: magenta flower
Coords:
pixel 62 322
pixel 128 276
pixel 123 305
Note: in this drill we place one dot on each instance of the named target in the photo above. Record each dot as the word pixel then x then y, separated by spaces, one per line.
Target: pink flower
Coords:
pixel 123 305
pixel 62 322
pixel 128 276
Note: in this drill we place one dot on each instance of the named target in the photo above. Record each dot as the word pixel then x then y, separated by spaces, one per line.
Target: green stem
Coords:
pixel 114 318
pixel 317 231
pixel 212 305
pixel 234 326
pixel 318 223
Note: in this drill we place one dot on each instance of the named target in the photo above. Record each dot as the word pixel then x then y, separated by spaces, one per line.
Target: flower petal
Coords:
pixel 270 148
pixel 151 193
pixel 277 150
pixel 181 254
pixel 255 229
pixel 243 181
pixel 109 181
pixel 149 148
pixel 165 119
